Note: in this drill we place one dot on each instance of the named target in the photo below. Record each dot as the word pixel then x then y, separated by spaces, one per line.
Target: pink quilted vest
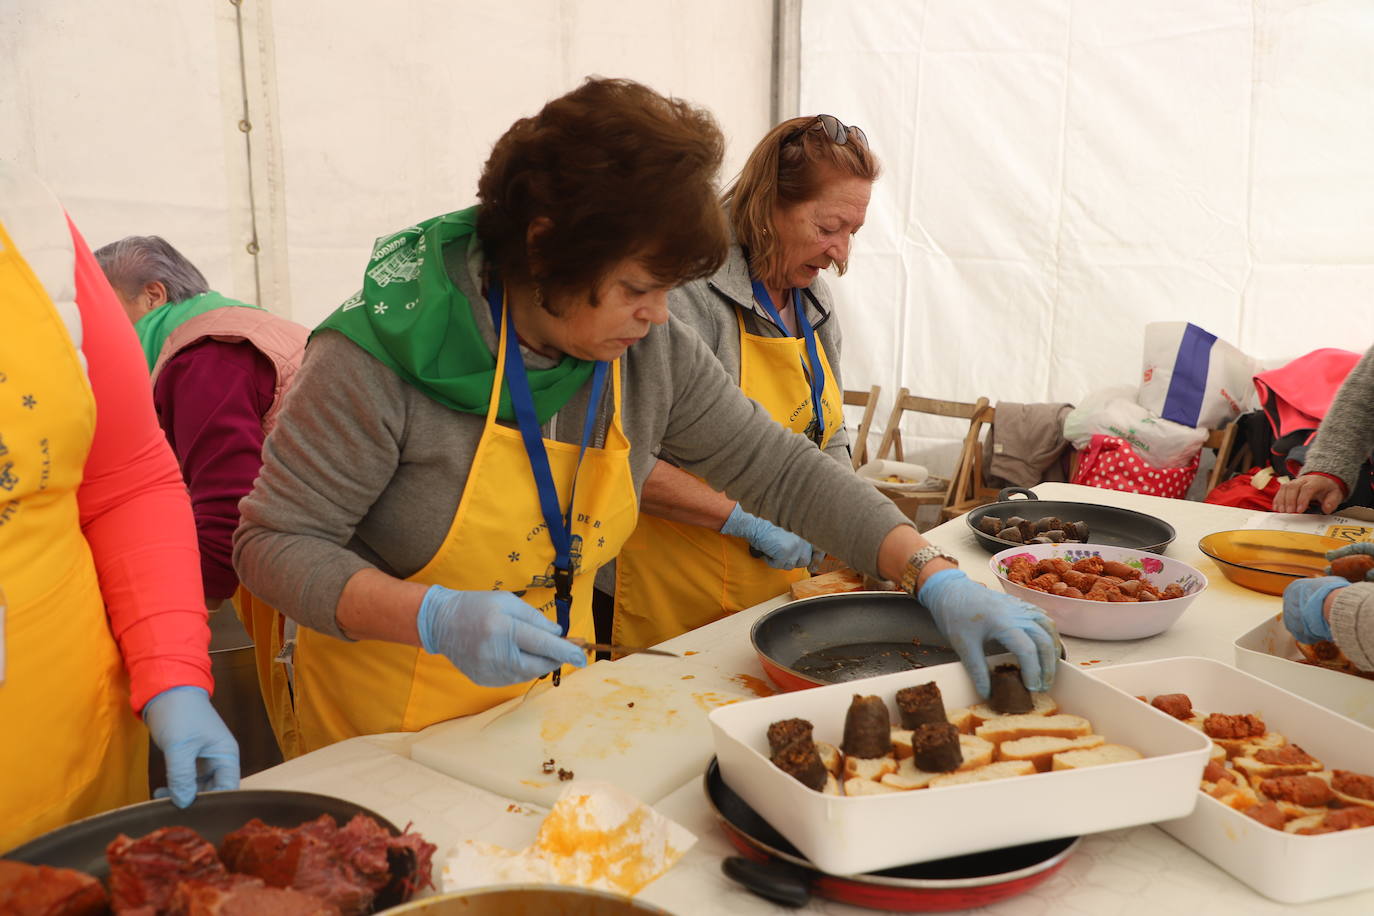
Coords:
pixel 278 339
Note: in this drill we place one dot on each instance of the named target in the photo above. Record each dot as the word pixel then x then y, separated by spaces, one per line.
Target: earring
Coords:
pixel 539 296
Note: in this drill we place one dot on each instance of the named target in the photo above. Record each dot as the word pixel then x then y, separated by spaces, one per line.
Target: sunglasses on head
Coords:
pixel 834 128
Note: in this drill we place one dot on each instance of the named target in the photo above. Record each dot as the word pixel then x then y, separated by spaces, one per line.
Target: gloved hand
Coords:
pixel 493 637
pixel 969 614
pixel 1302 608
pixel 197 747
pixel 781 549
pixel 1360 547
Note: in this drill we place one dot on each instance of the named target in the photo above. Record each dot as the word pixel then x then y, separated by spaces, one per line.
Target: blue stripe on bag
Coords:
pixel 1188 384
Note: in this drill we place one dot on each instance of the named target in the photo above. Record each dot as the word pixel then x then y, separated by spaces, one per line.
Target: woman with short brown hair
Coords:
pixel 467 438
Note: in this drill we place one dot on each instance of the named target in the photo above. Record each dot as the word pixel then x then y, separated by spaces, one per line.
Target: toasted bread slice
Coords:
pixel 1218 753
pixel 961 718
pixel 1044 705
pixel 1040 749
pixel 1302 823
pixel 872 768
pixel 1258 769
pixel 832 785
pixel 831 758
pixel 859 786
pixel 1248 747
pixel 841 580
pixel 1010 728
pixel 1235 794
pixel 1003 770
pixel 1092 757
pixel 977 752
pixel 908 777
pixel 901 742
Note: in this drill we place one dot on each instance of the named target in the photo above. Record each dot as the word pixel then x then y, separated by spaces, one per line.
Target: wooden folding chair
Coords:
pixel 868 400
pixel 970 451
pixel 1229 460
pixel 968 489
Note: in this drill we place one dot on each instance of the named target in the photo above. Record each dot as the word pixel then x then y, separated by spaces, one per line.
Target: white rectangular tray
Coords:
pixel 1268 651
pixel 1287 867
pixel 846 836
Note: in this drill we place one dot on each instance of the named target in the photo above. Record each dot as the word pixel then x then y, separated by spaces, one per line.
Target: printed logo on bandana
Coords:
pixel 352 302
pixel 395 260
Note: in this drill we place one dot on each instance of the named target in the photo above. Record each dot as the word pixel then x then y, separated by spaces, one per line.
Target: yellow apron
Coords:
pixel 266 626
pixel 672 577
pixel 497 541
pixel 73 745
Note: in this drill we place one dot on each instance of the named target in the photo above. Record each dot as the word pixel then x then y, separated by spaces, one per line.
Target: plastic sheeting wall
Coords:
pixel 362 117
pixel 1060 172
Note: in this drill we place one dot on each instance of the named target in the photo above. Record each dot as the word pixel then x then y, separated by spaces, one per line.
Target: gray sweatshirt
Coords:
pixel 710 305
pixel 363 470
pixel 1346 435
pixel 1352 623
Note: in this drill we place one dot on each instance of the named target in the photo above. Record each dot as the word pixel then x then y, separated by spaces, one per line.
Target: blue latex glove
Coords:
pixel 1302 608
pixel 969 614
pixel 781 549
pixel 1364 547
pixel 493 637
pixel 197 747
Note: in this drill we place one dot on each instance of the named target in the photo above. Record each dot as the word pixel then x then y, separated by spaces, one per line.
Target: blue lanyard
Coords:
pixel 815 373
pixel 559 524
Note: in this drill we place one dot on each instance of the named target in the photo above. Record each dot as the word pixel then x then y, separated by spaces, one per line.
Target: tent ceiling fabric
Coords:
pixel 365 117
pixel 1059 173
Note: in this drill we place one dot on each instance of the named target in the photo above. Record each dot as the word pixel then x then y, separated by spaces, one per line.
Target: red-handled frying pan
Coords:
pixel 774 869
pixel 834 638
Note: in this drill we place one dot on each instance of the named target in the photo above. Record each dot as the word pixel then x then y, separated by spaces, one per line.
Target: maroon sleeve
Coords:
pixel 211 398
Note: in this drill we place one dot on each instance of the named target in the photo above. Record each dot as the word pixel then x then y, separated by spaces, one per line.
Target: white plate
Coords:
pixel 1268 651
pixel 1284 866
pixel 919 478
pixel 846 836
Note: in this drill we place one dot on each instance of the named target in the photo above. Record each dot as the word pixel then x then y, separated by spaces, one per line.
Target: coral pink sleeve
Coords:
pixel 134 509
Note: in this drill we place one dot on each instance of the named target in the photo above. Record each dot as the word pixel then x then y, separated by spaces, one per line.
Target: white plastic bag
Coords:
pixel 1113 412
pixel 1193 377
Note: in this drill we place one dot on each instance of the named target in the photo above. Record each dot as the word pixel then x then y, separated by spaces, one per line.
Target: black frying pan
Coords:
pixel 1106 524
pixel 832 638
pixel 773 868
pixel 81 844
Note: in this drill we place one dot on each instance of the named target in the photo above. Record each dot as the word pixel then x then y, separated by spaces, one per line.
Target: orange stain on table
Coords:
pixel 692 652
pixel 711 700
pixel 756 685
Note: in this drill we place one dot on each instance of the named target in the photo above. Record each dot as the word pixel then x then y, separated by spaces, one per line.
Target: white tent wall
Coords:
pixel 1058 173
pixel 363 118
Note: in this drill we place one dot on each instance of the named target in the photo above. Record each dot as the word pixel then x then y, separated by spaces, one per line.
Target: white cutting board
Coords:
pixel 639 723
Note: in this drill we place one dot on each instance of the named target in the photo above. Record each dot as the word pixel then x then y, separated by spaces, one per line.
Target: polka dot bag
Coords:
pixel 1110 463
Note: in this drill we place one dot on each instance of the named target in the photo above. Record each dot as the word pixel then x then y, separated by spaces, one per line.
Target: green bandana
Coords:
pixel 154 328
pixel 411 317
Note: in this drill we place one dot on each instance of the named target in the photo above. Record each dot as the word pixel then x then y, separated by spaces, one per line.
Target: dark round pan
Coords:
pixel 774 869
pixel 1106 524
pixel 81 844
pixel 833 638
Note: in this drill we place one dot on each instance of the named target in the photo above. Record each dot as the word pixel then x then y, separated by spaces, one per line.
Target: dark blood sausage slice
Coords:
pixel 49 891
pixel 785 731
pixel 801 761
pixel 920 704
pixel 145 872
pixel 867 728
pixel 1008 695
pixel 1177 705
pixel 935 747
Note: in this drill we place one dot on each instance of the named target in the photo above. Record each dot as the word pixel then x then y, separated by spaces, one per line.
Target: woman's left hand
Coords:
pixel 200 752
pixel 970 614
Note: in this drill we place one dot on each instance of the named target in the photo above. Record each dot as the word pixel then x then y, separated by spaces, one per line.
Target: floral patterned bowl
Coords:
pixel 1106 619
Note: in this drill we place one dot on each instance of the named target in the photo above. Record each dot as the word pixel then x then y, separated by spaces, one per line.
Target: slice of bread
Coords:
pixel 1301 823
pixel 977 752
pixel 831 758
pixel 1234 794
pixel 1010 728
pixel 871 768
pixel 1257 769
pixel 841 580
pixel 1040 749
pixel 1246 747
pixel 1218 753
pixel 858 786
pixel 908 777
pixel 962 719
pixel 832 785
pixel 1043 705
pixel 901 742
pixel 1004 770
pixel 1097 756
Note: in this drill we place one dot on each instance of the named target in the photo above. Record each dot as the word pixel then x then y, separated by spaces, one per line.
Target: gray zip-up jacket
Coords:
pixel 710 306
pixel 363 470
pixel 1345 437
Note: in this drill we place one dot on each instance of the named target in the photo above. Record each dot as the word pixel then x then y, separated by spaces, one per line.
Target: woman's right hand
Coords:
pixel 1301 491
pixel 493 637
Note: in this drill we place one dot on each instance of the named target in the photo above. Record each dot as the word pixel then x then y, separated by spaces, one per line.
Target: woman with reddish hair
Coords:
pixel 468 436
